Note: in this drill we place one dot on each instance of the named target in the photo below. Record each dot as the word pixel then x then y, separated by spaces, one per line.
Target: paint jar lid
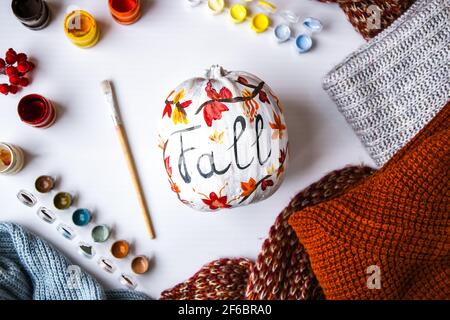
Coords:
pixel 282 32
pixel 128 281
pixel 27 198
pixel 120 249
pixel 81 217
pixel 238 13
pixel 100 233
pixel 303 43
pixel 269 6
pixel 106 265
pixel 260 22
pixel 62 200
pixel 140 264
pixel 216 6
pixel 289 16
pixel 44 184
pixel 313 24
pixel 86 250
pixel 27 10
pixel 46 215
pixel 194 3
pixel 66 231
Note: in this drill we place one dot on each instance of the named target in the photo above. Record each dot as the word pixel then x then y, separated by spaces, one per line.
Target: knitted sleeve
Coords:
pixel 391 87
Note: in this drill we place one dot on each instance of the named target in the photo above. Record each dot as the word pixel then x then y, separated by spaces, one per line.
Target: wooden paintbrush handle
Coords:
pixel 135 178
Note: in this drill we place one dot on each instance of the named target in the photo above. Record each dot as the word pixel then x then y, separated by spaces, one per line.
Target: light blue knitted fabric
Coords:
pixel 30 268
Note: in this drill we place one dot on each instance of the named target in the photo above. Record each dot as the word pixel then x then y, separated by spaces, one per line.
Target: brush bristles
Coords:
pixel 106 87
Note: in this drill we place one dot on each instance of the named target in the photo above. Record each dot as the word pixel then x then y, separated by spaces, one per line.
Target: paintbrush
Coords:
pixel 120 130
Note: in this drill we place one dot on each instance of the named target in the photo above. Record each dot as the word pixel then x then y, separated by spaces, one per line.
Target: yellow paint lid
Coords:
pixel 216 6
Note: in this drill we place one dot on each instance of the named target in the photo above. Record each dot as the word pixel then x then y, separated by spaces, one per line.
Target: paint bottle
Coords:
pixel 36 111
pixel 260 22
pixel 82 29
pixel 125 11
pixel 33 14
pixel 11 159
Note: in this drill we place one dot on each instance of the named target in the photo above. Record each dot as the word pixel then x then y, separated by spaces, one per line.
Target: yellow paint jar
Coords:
pixel 238 13
pixel 260 22
pixel 82 29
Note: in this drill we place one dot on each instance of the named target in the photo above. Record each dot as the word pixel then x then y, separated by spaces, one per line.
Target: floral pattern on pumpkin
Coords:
pixel 250 106
pixel 216 201
pixel 178 114
pixel 278 127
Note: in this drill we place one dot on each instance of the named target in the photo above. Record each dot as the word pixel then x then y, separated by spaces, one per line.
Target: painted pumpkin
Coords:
pixel 224 140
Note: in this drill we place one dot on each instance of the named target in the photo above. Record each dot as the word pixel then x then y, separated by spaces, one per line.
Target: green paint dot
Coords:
pixel 100 233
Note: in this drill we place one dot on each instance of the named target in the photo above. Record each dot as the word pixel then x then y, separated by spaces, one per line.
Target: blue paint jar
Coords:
pixel 81 217
pixel 303 43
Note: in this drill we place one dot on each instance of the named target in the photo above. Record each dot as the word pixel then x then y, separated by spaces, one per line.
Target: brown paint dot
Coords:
pixel 140 265
pixel 120 249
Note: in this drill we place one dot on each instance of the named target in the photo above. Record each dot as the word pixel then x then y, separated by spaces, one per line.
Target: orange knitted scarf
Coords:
pixel 392 230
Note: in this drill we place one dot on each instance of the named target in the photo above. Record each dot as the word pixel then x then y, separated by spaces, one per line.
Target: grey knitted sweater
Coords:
pixel 391 87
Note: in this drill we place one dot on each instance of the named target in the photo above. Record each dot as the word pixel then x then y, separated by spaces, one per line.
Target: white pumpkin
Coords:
pixel 224 140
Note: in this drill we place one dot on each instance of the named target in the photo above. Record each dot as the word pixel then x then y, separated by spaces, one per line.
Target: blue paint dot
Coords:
pixel 81 217
pixel 282 32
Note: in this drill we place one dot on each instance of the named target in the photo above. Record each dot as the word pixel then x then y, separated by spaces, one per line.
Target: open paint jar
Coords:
pixel 282 32
pixel 140 265
pixel 62 201
pixel 100 233
pixel 33 14
pixel 11 158
pixel 260 22
pixel 125 11
pixel 303 43
pixel 44 184
pixel 81 217
pixel 82 29
pixel 238 13
pixel 120 249
pixel 36 111
pixel 216 6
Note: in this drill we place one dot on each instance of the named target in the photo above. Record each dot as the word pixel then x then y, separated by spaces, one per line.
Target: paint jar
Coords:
pixel 100 233
pixel 81 217
pixel 260 22
pixel 44 184
pixel 36 111
pixel 238 13
pixel 303 43
pixel 33 14
pixel 82 29
pixel 62 201
pixel 120 249
pixel 12 158
pixel 140 264
pixel 282 33
pixel 216 6
pixel 125 11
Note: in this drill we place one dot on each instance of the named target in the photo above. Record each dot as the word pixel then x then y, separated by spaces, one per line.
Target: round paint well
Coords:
pixel 140 265
pixel 303 43
pixel 81 217
pixel 62 201
pixel 44 184
pixel 216 6
pixel 125 11
pixel 82 29
pixel 120 249
pixel 124 5
pixel 100 233
pixel 238 13
pixel 260 22
pixel 282 32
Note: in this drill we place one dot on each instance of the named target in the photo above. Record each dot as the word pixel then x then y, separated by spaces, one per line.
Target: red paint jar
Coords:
pixel 125 11
pixel 36 111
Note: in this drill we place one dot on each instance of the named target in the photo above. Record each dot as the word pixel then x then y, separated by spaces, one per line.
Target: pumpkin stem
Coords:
pixel 215 72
